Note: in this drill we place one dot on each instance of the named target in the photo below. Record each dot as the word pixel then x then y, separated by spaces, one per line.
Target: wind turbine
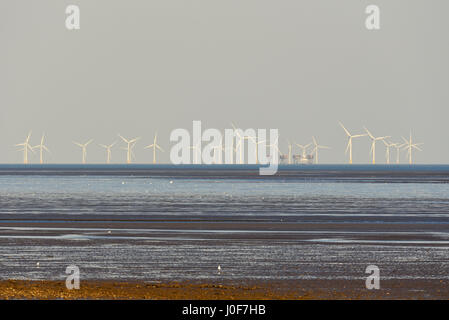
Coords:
pixel 131 143
pixel 217 159
pixel 83 147
pixel 196 151
pixel 304 149
pixel 41 147
pixel 240 143
pixel 154 146
pixel 373 143
pixel 26 146
pixel 289 152
pixel 317 146
pixel 108 150
pixel 276 146
pixel 257 147
pixel 398 149
pixel 387 152
pixel 408 145
pixel 350 137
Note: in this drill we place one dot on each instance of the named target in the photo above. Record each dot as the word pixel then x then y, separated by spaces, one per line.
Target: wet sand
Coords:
pixel 247 290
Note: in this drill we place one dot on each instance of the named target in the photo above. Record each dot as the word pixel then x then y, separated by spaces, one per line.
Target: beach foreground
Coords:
pixel 248 290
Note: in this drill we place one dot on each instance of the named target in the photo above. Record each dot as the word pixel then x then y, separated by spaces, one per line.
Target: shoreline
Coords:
pixel 226 290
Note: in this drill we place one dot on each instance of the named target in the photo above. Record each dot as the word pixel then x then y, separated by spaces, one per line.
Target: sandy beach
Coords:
pixel 247 290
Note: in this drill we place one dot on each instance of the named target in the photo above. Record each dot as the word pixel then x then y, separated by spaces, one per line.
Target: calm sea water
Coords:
pixel 176 226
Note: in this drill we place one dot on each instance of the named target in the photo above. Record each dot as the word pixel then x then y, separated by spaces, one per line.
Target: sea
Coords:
pixel 165 222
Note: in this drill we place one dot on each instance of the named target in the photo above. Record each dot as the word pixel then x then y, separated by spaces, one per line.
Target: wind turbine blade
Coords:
pixel 148 147
pixel 314 141
pixel 369 133
pixel 157 146
pixel 123 138
pixel 347 132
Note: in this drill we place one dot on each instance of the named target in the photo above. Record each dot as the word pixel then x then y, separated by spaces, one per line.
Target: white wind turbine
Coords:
pixel 108 150
pixel 276 145
pixel 26 146
pixel 240 143
pixel 373 143
pixel 304 149
pixel 409 146
pixel 289 152
pixel 217 157
pixel 398 150
pixel 350 137
pixel 41 148
pixel 317 146
pixel 196 150
pixel 83 147
pixel 257 147
pixel 130 144
pixel 154 146
pixel 387 150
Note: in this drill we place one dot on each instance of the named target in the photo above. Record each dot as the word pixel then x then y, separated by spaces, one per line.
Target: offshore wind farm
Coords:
pixel 242 145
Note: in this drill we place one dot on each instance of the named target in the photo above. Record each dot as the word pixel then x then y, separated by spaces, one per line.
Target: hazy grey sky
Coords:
pixel 138 66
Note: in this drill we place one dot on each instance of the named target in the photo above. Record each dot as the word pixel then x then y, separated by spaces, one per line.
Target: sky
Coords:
pixel 140 66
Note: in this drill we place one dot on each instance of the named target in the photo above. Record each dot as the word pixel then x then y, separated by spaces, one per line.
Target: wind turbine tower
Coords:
pixel 289 152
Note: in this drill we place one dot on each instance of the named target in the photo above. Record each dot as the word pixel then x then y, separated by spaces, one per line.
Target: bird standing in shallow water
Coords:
pixel 219 269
